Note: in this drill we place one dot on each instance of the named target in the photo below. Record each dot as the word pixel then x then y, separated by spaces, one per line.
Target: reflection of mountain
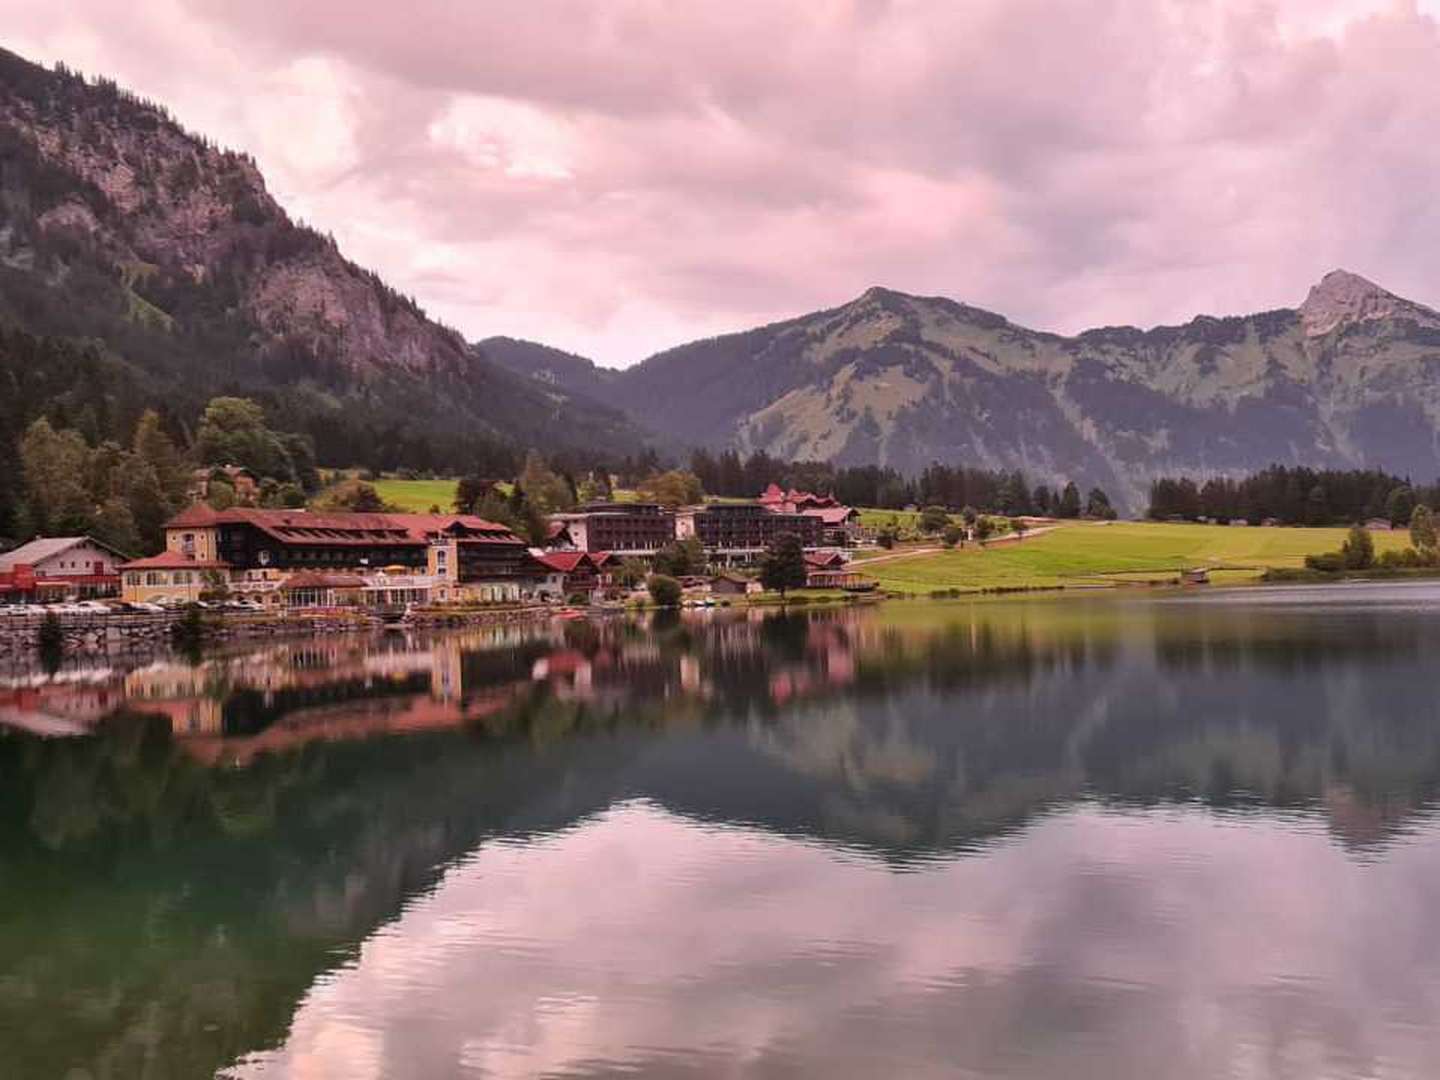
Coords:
pixel 155 901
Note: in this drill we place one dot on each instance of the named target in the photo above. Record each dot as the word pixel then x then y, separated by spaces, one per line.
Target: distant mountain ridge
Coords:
pixel 117 226
pixel 1348 378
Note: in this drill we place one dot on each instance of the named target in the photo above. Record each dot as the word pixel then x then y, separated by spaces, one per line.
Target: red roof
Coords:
pixel 831 515
pixel 342 527
pixel 173 560
pixel 824 558
pixel 565 562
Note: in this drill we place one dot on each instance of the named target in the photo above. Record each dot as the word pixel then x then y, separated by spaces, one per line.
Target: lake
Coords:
pixel 1110 837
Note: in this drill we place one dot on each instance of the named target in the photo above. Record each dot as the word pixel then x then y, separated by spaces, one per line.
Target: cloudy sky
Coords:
pixel 615 177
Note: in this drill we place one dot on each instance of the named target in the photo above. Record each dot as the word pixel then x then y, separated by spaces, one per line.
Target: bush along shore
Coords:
pixel 1356 558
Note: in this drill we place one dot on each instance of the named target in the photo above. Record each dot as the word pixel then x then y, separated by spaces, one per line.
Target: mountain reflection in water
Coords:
pixel 1076 838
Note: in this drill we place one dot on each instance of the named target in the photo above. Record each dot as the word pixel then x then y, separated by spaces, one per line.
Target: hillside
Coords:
pixel 119 228
pixel 1345 379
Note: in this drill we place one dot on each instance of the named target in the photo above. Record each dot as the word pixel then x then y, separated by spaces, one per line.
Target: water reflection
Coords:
pixel 1023 839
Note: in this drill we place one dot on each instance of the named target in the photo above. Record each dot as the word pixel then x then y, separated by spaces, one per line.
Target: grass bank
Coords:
pixel 1112 554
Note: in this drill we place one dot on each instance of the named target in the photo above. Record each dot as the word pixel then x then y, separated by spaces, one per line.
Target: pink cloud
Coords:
pixel 612 178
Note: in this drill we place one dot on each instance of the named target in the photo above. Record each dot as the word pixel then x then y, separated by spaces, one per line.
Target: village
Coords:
pixel 257 560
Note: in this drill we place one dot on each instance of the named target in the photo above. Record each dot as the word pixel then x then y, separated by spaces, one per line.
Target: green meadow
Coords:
pixel 417 496
pixel 1097 554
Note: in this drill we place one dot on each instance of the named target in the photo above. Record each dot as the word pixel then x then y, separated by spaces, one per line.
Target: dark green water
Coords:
pixel 1074 839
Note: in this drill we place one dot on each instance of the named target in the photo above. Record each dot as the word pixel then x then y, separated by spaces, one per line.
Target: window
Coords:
pixel 154 577
pixel 182 577
pixel 132 578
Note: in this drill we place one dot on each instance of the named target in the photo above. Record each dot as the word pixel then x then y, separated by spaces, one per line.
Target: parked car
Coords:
pixel 22 610
pixel 145 607
pixel 95 607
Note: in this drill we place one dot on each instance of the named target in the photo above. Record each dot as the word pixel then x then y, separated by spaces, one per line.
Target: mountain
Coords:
pixel 1346 379
pixel 185 278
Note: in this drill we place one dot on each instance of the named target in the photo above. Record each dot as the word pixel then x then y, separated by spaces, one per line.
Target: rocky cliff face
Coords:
pixel 108 207
pixel 1348 378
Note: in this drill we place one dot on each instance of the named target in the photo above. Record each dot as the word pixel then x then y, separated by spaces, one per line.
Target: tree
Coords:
pixel 1017 526
pixel 115 525
pixel 983 528
pixel 220 494
pixel 1400 505
pixel 233 432
pixel 681 558
pixel 137 483
pixel 354 496
pixel 1422 529
pixel 1070 501
pixel 886 536
pixel 155 448
pixel 674 488
pixel 952 535
pixel 1358 551
pixel 933 519
pixel 55 465
pixel 468 493
pixel 1097 506
pixel 629 574
pixel 969 516
pixel 783 566
pixel 665 591
pixel 545 489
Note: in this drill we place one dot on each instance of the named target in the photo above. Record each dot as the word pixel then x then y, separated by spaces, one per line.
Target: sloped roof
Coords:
pixel 830 515
pixel 173 560
pixel 345 527
pixel 37 551
pixel 565 562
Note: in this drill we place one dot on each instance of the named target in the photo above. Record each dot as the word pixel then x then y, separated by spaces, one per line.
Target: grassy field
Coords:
pixel 1096 554
pixel 417 496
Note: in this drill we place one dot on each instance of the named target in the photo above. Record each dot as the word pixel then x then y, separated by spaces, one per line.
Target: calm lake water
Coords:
pixel 1081 838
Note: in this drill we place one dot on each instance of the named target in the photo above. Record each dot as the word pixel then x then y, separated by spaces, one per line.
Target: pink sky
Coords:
pixel 616 177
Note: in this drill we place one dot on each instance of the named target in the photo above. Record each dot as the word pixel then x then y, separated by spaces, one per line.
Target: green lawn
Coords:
pixel 417 496
pixel 1091 553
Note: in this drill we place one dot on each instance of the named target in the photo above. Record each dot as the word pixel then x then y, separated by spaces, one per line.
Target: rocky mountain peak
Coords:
pixel 1342 297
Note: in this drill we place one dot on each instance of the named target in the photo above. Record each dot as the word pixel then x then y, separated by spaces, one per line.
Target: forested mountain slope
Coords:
pixel 1349 378
pixel 171 259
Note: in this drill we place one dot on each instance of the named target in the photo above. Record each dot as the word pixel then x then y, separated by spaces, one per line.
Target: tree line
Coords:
pixel 122 493
pixel 1292 495
pixel 729 473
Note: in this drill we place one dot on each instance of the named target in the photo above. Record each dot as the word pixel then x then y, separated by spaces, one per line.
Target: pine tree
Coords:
pixel 783 566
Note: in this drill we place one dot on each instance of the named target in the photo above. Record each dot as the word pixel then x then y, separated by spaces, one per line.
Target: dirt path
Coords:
pixel 1008 538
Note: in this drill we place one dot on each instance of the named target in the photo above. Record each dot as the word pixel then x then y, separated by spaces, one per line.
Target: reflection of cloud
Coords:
pixel 1096 945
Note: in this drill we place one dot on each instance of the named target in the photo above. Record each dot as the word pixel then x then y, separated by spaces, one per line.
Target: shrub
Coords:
pixel 1329 562
pixel 665 591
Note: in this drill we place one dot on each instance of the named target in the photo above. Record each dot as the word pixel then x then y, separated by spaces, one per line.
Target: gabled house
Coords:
pixel 563 574
pixel 58 568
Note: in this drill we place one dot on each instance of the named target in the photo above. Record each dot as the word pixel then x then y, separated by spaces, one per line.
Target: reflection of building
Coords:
pixel 58 568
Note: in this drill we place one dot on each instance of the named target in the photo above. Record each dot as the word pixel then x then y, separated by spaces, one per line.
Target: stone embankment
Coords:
pixel 119 632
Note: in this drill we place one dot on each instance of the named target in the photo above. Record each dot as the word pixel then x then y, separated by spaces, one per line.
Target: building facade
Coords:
pixel 59 568
pixel 741 531
pixel 634 529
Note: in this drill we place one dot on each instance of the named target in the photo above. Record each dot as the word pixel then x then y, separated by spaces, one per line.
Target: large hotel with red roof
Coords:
pixel 323 558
